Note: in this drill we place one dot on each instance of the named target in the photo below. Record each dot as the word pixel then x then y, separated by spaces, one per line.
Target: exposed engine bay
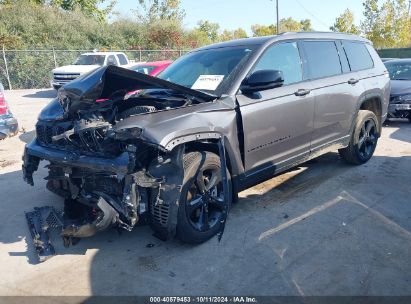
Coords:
pixel 108 175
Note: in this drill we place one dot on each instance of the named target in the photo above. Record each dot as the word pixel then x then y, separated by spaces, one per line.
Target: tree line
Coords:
pixel 158 24
pixel 386 23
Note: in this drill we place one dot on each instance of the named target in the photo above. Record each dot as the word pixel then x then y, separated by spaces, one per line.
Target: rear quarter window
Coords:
pixel 358 56
pixel 122 59
pixel 322 59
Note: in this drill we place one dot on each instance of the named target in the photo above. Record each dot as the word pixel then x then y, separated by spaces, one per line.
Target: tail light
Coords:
pixel 3 104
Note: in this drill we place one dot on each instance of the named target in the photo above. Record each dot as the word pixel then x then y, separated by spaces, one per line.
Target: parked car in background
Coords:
pixel 387 59
pixel 8 123
pixel 400 97
pixel 220 119
pixel 151 68
pixel 85 63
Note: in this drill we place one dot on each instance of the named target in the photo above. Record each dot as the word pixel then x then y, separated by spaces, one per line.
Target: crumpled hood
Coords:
pixel 73 69
pixel 82 93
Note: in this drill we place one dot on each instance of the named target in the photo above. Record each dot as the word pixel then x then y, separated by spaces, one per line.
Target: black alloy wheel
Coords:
pixel 205 200
pixel 367 140
pixel 202 208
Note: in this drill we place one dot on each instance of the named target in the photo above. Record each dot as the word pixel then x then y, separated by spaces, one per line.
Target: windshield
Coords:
pixel 399 71
pixel 145 69
pixel 206 70
pixel 90 60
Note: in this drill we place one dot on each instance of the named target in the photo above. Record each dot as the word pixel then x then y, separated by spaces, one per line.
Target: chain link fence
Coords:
pixel 30 69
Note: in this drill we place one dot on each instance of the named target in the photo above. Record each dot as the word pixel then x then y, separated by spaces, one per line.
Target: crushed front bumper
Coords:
pixel 402 110
pixel 34 152
pixel 150 190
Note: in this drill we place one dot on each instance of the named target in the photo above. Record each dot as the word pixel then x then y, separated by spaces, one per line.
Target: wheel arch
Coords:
pixel 211 145
pixel 372 102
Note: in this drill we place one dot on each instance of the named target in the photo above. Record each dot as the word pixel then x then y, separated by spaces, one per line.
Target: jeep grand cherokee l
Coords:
pixel 218 120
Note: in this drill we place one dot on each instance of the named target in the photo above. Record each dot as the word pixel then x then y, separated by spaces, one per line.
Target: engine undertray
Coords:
pixel 40 221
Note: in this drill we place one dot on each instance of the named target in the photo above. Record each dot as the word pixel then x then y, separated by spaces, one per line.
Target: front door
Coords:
pixel 278 123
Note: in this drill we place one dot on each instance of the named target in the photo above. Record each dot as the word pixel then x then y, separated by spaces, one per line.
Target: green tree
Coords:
pixel 195 38
pixel 231 35
pixel 166 34
pixel 345 23
pixel 387 25
pixel 263 30
pixel 209 28
pixel 290 25
pixel 286 25
pixel 154 10
pixel 306 25
pixel 91 8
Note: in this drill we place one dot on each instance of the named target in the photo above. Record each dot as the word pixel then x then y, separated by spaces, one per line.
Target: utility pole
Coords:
pixel 278 17
pixel 409 7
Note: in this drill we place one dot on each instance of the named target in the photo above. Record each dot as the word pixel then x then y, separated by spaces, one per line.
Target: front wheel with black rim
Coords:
pixel 202 204
pixel 363 139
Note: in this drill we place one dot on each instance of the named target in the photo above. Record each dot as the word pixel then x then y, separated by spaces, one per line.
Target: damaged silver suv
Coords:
pixel 174 151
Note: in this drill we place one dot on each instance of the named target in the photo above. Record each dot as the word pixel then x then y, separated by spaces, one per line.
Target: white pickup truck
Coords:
pixel 85 63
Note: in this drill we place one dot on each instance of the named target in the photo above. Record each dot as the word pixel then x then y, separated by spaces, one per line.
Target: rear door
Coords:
pixel 277 123
pixel 336 90
pixel 362 64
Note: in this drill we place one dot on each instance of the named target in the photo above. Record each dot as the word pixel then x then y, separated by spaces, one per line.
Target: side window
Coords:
pixel 358 56
pixel 284 57
pixel 322 59
pixel 122 59
pixel 111 60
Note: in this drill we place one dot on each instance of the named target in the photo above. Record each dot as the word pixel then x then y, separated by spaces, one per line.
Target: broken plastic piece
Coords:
pixel 39 222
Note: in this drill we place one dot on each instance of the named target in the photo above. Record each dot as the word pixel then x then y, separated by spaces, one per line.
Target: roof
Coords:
pixel 102 53
pixel 285 36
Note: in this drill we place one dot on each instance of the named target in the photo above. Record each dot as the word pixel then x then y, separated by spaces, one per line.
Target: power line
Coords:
pixel 311 14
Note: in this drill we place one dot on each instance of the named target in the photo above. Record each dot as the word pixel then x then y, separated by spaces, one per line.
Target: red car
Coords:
pixel 151 68
pixel 8 124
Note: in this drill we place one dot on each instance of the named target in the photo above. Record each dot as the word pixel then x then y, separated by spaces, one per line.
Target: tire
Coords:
pixel 363 139
pixel 136 110
pixel 191 226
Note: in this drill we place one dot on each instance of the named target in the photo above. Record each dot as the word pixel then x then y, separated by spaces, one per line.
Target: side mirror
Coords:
pixel 262 80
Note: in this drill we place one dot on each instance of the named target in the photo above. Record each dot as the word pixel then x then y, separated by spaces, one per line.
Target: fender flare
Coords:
pixel 361 100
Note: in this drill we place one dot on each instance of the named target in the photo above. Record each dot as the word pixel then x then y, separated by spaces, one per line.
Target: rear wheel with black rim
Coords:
pixel 202 202
pixel 363 140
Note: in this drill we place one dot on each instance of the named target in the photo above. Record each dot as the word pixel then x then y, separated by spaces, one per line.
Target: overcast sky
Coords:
pixel 231 14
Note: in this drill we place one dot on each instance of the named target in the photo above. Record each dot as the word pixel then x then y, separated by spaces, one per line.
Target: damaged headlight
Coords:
pixel 53 111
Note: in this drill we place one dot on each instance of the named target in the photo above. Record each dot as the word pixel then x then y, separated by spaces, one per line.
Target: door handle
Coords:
pixel 353 81
pixel 302 92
